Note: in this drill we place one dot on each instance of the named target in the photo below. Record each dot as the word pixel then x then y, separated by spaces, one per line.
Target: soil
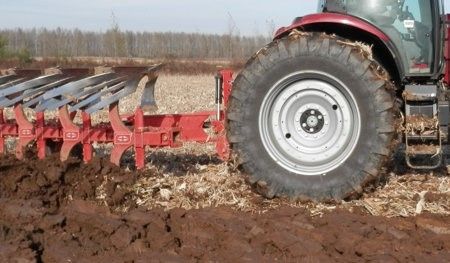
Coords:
pixel 171 66
pixel 72 212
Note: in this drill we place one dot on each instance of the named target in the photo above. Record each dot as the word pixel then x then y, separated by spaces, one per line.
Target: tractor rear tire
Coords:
pixel 312 116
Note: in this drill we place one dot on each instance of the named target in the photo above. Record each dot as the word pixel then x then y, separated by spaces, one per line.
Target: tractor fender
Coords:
pixel 358 29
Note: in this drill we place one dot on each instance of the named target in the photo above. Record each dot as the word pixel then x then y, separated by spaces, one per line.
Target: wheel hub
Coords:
pixel 312 121
pixel 309 123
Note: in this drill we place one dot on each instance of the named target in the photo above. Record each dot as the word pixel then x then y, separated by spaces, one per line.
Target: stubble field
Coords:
pixel 190 206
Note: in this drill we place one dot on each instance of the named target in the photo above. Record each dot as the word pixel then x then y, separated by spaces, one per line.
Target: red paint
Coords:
pixel 2 127
pixel 26 131
pixel 222 144
pixel 333 18
pixel 136 131
pixel 71 133
pixel 40 140
pixel 121 132
pixel 227 77
pixel 191 124
pixel 139 146
pixel 85 139
pixel 447 51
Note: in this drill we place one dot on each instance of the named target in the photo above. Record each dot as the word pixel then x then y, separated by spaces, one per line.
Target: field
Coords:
pixel 189 206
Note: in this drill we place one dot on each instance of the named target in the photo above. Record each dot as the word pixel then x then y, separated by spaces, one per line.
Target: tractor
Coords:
pixel 317 114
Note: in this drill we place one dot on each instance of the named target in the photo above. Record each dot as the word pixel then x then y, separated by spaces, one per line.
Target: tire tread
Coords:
pixel 350 56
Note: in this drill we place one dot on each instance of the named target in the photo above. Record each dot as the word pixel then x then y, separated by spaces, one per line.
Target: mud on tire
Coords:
pixel 283 74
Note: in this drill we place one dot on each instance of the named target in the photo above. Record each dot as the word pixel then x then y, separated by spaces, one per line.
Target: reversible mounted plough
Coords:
pixel 86 91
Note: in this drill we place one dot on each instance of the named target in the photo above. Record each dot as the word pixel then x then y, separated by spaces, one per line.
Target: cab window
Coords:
pixel 408 23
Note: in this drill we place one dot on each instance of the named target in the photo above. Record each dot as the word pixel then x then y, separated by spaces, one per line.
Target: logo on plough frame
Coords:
pixel 122 139
pixel 26 133
pixel 73 136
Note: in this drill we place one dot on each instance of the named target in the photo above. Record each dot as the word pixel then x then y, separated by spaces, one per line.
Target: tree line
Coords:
pixel 42 42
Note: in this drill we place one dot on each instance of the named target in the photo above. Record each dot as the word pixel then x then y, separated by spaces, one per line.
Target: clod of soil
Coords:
pixel 82 231
pixel 54 183
pixel 72 212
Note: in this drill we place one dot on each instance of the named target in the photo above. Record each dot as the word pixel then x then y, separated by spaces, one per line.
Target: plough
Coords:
pixel 85 91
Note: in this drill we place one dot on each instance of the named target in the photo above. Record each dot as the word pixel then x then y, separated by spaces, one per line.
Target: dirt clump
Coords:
pixel 55 183
pixel 82 231
pixel 75 212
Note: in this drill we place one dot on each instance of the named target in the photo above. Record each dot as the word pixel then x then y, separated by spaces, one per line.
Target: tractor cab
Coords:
pixel 413 31
pixel 414 28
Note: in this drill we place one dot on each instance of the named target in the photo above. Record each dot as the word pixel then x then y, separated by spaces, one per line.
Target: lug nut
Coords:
pixel 320 117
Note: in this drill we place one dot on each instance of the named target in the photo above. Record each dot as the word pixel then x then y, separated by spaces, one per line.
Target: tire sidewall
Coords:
pixel 364 100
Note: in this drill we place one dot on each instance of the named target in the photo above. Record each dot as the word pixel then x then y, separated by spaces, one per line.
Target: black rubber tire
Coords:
pixel 352 65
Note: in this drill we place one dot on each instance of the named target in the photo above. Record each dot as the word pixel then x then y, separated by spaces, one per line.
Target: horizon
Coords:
pixel 194 16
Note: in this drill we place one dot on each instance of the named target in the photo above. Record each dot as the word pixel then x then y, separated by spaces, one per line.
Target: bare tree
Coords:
pixel 3 44
pixel 271 28
pixel 114 39
pixel 232 35
pixel 114 42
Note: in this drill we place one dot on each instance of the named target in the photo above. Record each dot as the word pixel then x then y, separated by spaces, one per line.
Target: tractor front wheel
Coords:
pixel 312 116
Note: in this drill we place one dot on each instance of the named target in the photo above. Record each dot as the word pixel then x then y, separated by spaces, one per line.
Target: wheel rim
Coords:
pixel 309 123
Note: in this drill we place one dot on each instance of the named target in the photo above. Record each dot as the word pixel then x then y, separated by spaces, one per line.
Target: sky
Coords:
pixel 251 17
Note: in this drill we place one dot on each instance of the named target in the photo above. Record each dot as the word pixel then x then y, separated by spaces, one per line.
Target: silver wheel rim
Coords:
pixel 309 123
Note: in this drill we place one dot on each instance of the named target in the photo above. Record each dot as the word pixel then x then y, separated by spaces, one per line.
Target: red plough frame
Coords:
pixel 135 131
